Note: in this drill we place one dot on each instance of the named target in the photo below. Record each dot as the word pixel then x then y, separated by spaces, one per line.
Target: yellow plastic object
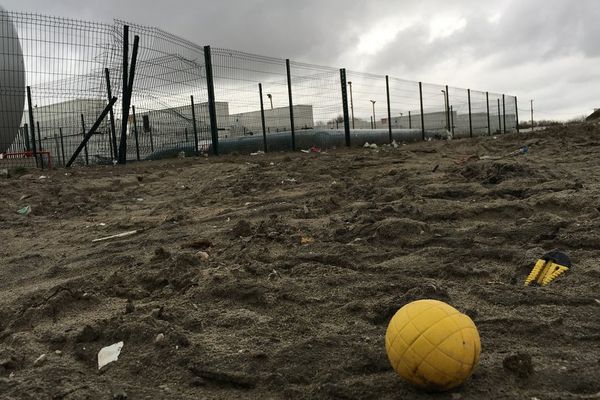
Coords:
pixel 432 345
pixel 544 272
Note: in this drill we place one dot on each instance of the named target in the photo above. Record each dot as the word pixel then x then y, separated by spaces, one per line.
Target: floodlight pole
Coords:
pixel 531 116
pixel 374 120
pixel 351 104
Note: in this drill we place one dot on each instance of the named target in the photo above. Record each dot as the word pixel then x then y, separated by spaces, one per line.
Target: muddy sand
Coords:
pixel 274 277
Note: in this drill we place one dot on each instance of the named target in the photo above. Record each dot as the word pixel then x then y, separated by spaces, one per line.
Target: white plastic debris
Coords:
pixel 367 145
pixel 109 354
pixel 40 360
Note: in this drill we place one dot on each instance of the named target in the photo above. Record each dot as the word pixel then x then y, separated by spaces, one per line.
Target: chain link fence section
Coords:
pixel 193 99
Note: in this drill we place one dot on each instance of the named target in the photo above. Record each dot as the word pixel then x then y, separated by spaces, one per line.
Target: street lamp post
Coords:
pixel 374 120
pixel 270 96
pixel 446 109
pixel 351 103
pixel 532 116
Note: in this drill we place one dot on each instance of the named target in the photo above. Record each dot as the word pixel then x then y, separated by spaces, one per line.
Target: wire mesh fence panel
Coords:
pixel 458 107
pixel 62 61
pixel 317 98
pixel 66 66
pixel 237 76
pixel 368 100
pixel 169 71
pixel 511 113
pixel 405 104
pixel 479 113
pixel 496 121
pixel 435 115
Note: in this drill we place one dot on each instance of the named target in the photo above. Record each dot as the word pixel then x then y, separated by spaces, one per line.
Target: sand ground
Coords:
pixel 309 255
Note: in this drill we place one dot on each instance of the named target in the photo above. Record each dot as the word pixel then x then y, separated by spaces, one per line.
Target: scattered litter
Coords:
pixel 109 354
pixel 258 153
pixel 306 241
pixel 435 168
pixel 43 177
pixel 272 164
pixel 367 145
pixel 597 301
pixel 101 224
pixel 292 180
pixel 394 144
pixel 140 199
pixel 518 152
pixel 181 155
pixel 274 275
pixel 313 149
pixel 159 339
pixel 40 360
pixel 548 268
pixel 120 235
pixel 25 210
pixel 203 255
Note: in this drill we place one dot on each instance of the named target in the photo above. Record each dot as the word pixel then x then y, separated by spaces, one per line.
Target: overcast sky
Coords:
pixel 547 50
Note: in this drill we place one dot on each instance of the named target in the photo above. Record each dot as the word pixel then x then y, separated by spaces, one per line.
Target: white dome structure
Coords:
pixel 12 81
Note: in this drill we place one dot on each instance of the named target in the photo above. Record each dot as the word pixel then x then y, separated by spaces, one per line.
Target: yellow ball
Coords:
pixel 432 345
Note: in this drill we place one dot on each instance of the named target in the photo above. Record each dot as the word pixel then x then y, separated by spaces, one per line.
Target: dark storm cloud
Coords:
pixel 546 49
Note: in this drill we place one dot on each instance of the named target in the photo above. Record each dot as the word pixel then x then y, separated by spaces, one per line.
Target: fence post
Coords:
pixel 113 131
pixel 40 149
pixel 452 120
pixel 87 161
pixel 32 125
pixel 57 147
pixel 289 83
pixel 212 107
pixel 504 112
pixel 422 116
pixel 517 113
pixel 389 107
pixel 151 140
pixel 135 134
pixel 447 101
pixel 25 133
pixel 128 78
pixel 499 118
pixel 62 145
pixel 195 128
pixel 345 106
pixel 122 159
pixel 487 102
pixel 262 117
pixel 470 114
pixel 409 120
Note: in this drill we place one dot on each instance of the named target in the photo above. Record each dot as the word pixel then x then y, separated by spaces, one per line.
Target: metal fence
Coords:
pixel 59 74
